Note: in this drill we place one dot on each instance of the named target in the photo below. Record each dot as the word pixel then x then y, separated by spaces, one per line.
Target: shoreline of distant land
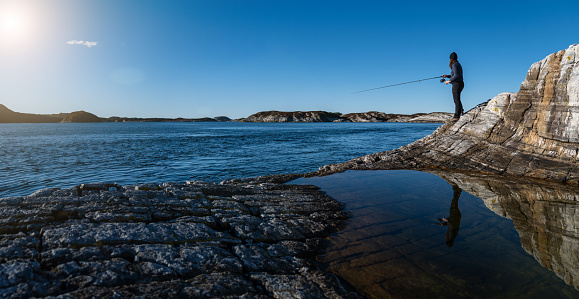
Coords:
pixel 9 116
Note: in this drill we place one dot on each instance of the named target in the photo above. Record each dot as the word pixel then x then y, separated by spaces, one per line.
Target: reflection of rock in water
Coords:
pixel 546 215
pixel 394 248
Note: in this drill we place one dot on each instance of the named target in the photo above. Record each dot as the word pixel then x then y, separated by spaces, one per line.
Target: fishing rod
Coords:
pixel 441 81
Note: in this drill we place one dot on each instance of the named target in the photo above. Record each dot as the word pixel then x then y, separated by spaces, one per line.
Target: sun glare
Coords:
pixel 15 25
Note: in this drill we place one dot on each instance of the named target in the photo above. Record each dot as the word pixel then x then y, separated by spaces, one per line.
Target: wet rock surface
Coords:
pixel 532 133
pixel 191 240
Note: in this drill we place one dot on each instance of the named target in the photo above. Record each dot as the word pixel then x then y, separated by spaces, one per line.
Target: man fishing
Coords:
pixel 455 78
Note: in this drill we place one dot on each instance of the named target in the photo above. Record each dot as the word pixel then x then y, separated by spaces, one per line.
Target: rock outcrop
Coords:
pixel 323 116
pixel 192 240
pixel 532 133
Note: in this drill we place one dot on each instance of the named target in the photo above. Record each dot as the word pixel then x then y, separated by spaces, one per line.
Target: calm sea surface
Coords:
pixel 419 235
pixel 37 156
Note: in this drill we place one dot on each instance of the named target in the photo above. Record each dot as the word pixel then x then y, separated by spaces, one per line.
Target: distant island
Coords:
pixel 9 116
pixel 323 116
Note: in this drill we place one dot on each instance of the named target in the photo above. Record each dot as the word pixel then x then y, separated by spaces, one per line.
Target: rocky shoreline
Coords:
pixel 192 240
pixel 532 133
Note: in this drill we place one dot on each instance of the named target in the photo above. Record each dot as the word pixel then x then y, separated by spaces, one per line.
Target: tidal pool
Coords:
pixel 456 235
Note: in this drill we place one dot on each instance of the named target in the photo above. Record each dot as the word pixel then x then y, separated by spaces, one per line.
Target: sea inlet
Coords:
pixel 455 235
pixel 411 234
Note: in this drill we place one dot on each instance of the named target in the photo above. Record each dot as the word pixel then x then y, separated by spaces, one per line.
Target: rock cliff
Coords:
pixel 532 133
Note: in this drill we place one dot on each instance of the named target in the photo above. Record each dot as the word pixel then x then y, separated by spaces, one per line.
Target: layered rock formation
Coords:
pixel 323 116
pixel 531 133
pixel 192 240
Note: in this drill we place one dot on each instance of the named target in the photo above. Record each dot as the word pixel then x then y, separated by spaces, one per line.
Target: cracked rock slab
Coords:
pixel 173 240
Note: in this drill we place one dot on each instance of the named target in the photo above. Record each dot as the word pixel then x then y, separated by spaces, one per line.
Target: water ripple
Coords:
pixel 36 156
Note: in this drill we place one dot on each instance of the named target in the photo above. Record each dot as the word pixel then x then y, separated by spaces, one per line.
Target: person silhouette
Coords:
pixel 453 221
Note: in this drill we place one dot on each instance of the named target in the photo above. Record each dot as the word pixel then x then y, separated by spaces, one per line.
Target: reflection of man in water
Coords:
pixel 453 220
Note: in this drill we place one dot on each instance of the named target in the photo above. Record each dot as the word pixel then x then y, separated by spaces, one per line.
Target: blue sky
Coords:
pixel 189 58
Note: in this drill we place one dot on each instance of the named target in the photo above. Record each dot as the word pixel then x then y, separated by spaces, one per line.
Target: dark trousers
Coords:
pixel 457 88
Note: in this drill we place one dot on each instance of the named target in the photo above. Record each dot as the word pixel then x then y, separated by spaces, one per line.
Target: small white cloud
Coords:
pixel 83 43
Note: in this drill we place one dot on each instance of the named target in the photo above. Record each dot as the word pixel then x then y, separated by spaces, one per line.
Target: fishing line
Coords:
pixel 441 81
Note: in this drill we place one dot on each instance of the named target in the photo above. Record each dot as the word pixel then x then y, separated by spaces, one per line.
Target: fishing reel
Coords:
pixel 442 80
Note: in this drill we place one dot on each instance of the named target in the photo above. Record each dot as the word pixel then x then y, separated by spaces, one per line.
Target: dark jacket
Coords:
pixel 456 74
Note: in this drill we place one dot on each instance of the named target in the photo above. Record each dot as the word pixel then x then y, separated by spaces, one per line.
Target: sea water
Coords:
pixel 37 156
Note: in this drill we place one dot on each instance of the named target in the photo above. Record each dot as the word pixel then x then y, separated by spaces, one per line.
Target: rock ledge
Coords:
pixel 172 240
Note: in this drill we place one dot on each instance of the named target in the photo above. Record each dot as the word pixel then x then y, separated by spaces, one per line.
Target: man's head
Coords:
pixel 453 56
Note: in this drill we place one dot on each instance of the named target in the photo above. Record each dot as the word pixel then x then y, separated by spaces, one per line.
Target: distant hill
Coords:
pixel 81 117
pixel 137 119
pixel 296 116
pixel 323 116
pixel 9 116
